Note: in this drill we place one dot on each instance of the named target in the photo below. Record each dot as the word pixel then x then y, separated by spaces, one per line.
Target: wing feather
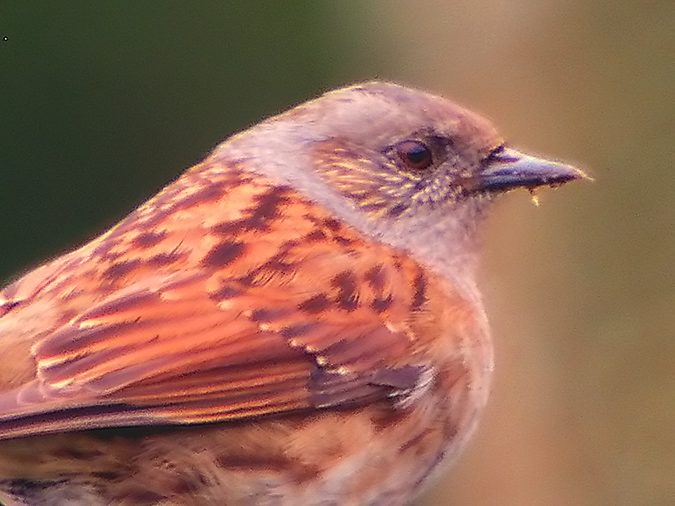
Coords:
pixel 145 358
pixel 233 329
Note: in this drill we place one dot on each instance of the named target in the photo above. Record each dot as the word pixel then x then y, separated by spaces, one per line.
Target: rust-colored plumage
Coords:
pixel 293 321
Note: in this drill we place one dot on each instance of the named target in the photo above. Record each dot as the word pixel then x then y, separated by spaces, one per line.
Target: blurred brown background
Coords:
pixel 103 103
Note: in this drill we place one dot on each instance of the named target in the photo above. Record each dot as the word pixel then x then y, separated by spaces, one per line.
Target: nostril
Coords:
pixel 7 305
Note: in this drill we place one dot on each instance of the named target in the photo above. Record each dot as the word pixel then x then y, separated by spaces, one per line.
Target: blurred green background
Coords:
pixel 101 104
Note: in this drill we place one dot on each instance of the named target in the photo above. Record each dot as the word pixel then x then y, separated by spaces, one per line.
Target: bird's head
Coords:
pixel 400 164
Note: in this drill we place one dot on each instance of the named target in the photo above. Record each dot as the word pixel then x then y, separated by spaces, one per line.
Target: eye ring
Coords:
pixel 414 154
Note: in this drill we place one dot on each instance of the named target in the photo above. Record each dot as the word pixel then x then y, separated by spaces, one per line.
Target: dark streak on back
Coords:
pixel 347 297
pixel 223 254
pixel 375 277
pixel 266 209
pixel 420 296
pixel 120 269
pixel 315 304
pixel 148 239
pixel 209 193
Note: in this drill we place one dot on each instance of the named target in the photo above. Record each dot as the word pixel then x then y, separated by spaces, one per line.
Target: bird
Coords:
pixel 295 320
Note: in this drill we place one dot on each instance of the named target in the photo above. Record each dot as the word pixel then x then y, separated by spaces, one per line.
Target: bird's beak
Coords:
pixel 507 168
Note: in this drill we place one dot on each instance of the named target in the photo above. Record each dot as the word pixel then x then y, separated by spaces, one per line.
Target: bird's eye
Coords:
pixel 416 155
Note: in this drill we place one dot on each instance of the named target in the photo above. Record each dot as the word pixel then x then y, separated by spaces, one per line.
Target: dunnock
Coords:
pixel 293 321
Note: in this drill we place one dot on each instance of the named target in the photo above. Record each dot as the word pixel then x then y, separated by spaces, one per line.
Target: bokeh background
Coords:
pixel 102 103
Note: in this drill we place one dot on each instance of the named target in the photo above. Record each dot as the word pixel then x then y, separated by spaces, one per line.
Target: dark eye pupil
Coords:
pixel 414 154
pixel 417 154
